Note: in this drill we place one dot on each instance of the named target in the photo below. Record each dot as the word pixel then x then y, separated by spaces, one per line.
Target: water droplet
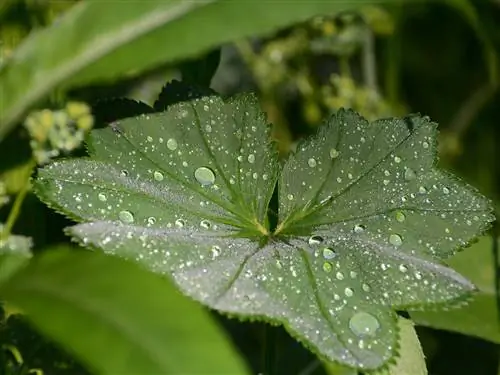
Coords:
pixel 446 190
pixel 151 220
pixel 315 240
pixel 126 217
pixel 204 176
pixel 329 253
pixel 251 158
pixel 366 287
pixel 149 138
pixel 124 173
pixel 290 197
pixel 359 228
pixel 102 197
pixel 422 190
pixel 158 176
pixel 312 162
pixel 208 128
pixel 400 216
pixel 179 223
pixel 396 240
pixel 348 292
pixel 339 276
pixel 397 159
pixel 172 144
pixel 403 268
pixel 364 324
pixel 205 224
pixel 418 275
pixel 334 153
pixel 279 264
pixel 425 144
pixel 353 274
pixel 327 267
pixel 409 174
pixel 215 250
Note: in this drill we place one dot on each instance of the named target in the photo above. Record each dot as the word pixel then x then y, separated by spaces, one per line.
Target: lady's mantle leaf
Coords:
pixel 364 218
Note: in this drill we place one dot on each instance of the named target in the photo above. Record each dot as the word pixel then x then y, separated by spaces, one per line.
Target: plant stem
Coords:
pixel 16 207
pixel 369 61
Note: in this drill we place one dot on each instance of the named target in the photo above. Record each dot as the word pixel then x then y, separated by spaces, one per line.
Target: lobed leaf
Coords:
pixel 364 218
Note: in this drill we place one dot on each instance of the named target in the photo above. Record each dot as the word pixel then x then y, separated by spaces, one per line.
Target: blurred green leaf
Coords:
pixel 411 360
pixel 15 252
pixel 103 302
pixel 201 70
pixel 480 317
pixel 102 40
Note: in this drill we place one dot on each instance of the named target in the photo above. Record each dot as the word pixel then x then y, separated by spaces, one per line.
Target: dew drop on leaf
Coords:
pixel 215 251
pixel 422 190
pixel 327 267
pixel 339 276
pixel 315 240
pixel 364 324
pixel 102 197
pixel 334 153
pixel 126 217
pixel 409 174
pixel 179 223
pixel 359 228
pixel 124 173
pixel 158 176
pixel 403 268
pixel 348 292
pixel 151 220
pixel 251 158
pixel 328 253
pixel 446 190
pixel 205 224
pixel 425 144
pixel 205 176
pixel 396 240
pixel 312 162
pixel 400 216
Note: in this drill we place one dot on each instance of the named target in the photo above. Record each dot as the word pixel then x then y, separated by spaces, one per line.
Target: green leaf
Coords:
pixel 480 317
pixel 412 360
pixel 201 70
pixel 97 41
pixel 364 218
pixel 118 318
pixel 15 252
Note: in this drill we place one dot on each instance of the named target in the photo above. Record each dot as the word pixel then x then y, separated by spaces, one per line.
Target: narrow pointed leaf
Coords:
pixel 365 219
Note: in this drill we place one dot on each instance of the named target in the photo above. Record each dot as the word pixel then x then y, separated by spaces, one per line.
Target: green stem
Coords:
pixel 16 207
pixel 368 60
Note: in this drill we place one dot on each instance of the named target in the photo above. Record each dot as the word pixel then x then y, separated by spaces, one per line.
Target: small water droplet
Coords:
pixel 446 190
pixel 329 253
pixel 205 224
pixel 179 223
pixel 158 176
pixel 366 287
pixel 151 220
pixel 425 144
pixel 339 276
pixel 172 144
pixel 251 158
pixel 315 240
pixel 364 324
pixel 397 159
pixel 312 162
pixel 205 176
pixel 149 138
pixel 395 239
pixel 126 217
pixel 353 274
pixel 409 174
pixel 208 128
pixel 215 250
pixel 290 197
pixel 327 267
pixel 418 275
pixel 348 292
pixel 403 268
pixel 124 173
pixel 422 190
pixel 334 153
pixel 102 197
pixel 359 228
pixel 400 216
pixel 279 264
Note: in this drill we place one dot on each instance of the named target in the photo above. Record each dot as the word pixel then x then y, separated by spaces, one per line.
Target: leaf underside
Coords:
pixel 365 219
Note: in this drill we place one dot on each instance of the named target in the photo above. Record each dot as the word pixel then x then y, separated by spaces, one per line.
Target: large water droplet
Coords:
pixel 359 228
pixel 400 216
pixel 251 158
pixel 364 324
pixel 315 240
pixel 151 220
pixel 403 268
pixel 329 253
pixel 348 292
pixel 327 267
pixel 179 223
pixel 334 153
pixel 204 176
pixel 312 162
pixel 339 276
pixel 158 176
pixel 126 217
pixel 172 144
pixel 205 224
pixel 102 197
pixel 396 240
pixel 409 174
pixel 215 250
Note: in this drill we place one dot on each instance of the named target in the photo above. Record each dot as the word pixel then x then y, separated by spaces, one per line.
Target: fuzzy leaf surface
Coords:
pixel 364 218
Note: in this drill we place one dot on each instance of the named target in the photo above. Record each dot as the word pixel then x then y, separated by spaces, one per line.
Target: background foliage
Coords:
pixel 439 58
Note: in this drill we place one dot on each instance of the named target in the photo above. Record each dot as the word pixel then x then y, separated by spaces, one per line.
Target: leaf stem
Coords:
pixel 16 207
